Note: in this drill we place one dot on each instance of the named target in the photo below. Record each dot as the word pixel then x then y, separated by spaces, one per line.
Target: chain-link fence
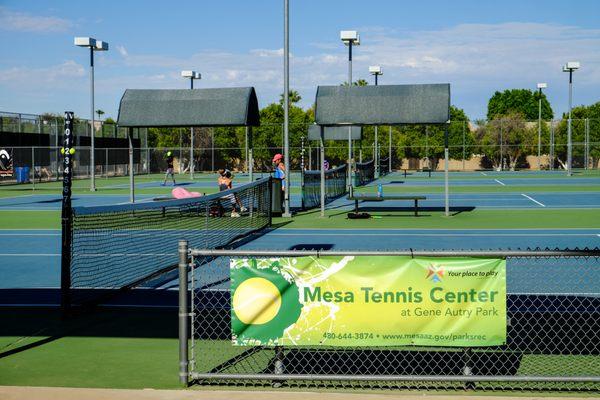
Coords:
pixel 31 141
pixel 552 341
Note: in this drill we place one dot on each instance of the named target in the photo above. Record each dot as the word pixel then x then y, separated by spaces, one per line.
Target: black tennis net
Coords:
pixel 335 186
pixel 384 166
pixel 365 173
pixel 124 246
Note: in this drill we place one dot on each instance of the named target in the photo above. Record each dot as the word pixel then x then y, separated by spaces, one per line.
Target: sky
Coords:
pixel 476 46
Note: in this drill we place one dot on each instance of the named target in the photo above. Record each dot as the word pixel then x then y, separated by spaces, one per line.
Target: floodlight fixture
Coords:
pixel 101 46
pixel 85 42
pixel 542 85
pixel 375 70
pixel 350 37
pixel 572 65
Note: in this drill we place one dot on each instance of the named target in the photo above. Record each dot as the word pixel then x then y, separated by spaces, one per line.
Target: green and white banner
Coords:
pixel 368 301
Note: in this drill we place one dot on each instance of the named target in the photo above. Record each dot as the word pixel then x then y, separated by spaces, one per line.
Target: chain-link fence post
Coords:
pixel 551 145
pixel 183 312
pixel 586 154
pixel 464 146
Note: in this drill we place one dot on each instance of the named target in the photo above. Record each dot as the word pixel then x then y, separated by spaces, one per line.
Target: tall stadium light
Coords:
pixel 93 45
pixel 540 86
pixel 350 38
pixel 570 67
pixel 191 75
pixel 376 71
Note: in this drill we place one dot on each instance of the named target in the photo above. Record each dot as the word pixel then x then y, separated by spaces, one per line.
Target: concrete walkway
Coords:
pixel 54 393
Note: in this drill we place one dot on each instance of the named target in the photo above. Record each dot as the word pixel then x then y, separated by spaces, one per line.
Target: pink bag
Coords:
pixel 181 193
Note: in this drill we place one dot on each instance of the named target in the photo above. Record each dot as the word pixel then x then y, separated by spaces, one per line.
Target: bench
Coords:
pixel 374 198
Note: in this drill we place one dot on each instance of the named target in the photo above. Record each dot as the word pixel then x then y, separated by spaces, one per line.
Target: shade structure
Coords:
pixel 383 105
pixel 189 108
pixel 334 132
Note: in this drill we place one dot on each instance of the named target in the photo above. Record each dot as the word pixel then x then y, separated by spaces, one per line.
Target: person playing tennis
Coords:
pixel 170 170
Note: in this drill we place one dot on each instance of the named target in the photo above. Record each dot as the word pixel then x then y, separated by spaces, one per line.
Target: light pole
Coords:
pixel 376 70
pixel 286 106
pixel 570 67
pixel 540 86
pixel 93 45
pixel 350 38
pixel 191 75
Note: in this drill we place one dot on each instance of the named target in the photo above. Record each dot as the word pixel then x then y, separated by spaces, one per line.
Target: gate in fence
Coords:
pixel 441 320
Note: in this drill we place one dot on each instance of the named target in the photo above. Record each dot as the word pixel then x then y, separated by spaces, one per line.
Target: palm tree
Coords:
pixel 360 82
pixel 100 114
pixel 294 97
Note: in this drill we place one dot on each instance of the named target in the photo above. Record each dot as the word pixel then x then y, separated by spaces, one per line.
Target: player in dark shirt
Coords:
pixel 170 170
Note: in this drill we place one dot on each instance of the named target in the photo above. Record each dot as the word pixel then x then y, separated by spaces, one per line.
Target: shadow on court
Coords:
pixel 408 212
pixel 36 326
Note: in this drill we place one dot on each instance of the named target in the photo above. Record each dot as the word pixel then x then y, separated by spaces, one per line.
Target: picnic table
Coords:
pixel 375 198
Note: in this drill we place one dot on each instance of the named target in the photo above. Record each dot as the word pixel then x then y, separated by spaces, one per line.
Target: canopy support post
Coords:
pixel 446 162
pixel 131 178
pixel 250 156
pixel 322 159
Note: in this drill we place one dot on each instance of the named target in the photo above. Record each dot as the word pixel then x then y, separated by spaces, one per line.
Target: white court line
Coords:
pixel 532 199
pixel 499 182
pixel 483 173
pixel 25 195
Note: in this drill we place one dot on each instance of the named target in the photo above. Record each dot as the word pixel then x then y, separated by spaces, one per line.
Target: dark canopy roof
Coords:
pixel 334 132
pixel 383 105
pixel 189 107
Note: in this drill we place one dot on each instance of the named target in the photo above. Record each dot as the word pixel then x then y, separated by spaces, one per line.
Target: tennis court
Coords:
pixel 508 217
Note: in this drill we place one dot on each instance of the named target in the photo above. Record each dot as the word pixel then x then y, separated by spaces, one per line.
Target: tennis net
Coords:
pixel 335 186
pixel 365 173
pixel 384 166
pixel 123 246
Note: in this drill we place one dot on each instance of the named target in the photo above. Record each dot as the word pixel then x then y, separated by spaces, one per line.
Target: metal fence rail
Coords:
pixel 553 332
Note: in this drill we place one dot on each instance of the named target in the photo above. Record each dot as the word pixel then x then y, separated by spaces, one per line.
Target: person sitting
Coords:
pixel 225 182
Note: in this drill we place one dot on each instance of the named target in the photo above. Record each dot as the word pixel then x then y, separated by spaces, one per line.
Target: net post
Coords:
pixel 183 313
pixel 270 206
pixel 66 219
pixel 322 159
pixel 33 166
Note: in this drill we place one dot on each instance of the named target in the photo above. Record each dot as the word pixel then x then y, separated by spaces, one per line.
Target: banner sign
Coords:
pixel 6 163
pixel 368 301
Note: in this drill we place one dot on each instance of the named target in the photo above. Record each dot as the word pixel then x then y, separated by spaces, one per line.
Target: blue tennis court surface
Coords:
pixel 31 258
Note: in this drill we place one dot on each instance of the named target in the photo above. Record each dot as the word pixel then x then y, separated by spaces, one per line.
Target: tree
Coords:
pixel 100 114
pixel 360 82
pixel 427 141
pixel 294 97
pixel 579 116
pixel 506 140
pixel 518 101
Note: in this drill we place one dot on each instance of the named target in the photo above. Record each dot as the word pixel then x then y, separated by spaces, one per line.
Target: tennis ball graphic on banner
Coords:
pixel 263 303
